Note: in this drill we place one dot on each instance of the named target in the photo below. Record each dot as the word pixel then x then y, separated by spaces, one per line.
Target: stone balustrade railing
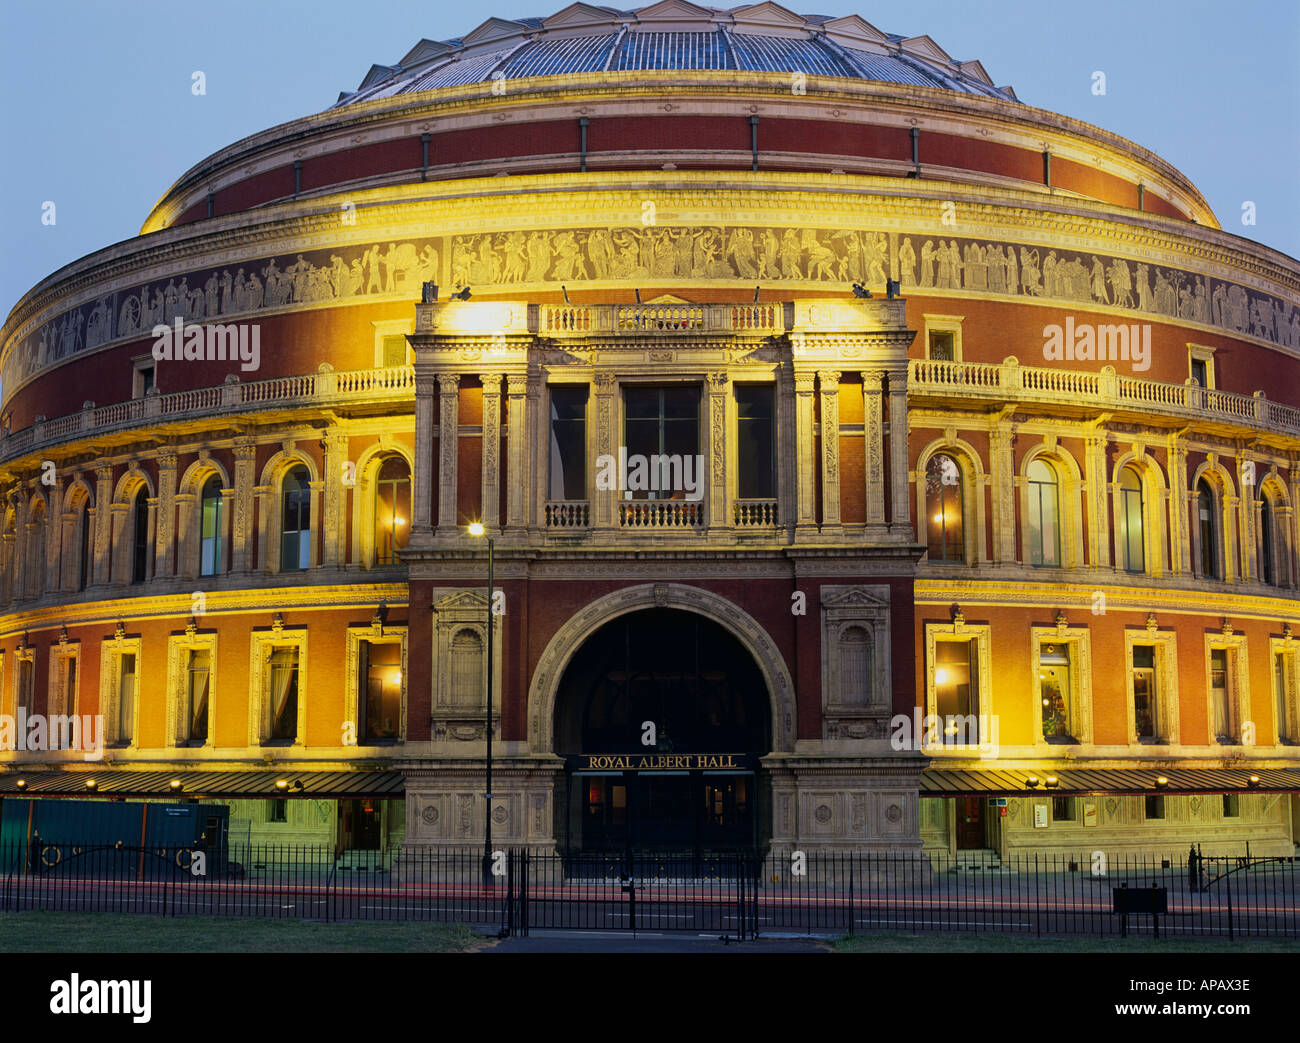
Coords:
pixel 1106 389
pixel 328 387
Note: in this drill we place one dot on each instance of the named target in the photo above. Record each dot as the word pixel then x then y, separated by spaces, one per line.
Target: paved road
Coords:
pixel 649 942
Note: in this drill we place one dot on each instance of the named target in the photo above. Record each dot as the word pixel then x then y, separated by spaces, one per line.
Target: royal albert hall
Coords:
pixel 1001 558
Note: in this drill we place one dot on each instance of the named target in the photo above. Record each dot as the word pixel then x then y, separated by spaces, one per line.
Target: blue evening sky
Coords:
pixel 99 118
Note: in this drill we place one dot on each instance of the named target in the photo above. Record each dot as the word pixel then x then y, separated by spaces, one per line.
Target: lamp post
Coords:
pixel 477 529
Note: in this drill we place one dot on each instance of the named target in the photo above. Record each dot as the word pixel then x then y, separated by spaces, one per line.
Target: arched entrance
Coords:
pixel 661 716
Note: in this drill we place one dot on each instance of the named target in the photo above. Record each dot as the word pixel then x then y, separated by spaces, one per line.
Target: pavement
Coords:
pixel 650 942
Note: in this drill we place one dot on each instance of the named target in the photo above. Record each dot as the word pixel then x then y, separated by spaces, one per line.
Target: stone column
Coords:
pixel 121 571
pixel 268 542
pixel 873 447
pixel 1249 518
pixel 227 500
pixel 713 476
pixel 422 507
pixel 1180 541
pixel 605 394
pixel 829 380
pixel 786 453
pixel 103 525
pixel 900 511
pixel 164 563
pixel 490 497
pixel 336 448
pixel 315 540
pixel 1002 472
pixel 805 467
pixel 189 540
pixel 1096 502
pixel 517 468
pixel 448 445
pixel 241 542
pixel 53 535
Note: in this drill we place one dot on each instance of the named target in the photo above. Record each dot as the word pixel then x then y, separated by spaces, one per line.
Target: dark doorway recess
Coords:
pixel 689 684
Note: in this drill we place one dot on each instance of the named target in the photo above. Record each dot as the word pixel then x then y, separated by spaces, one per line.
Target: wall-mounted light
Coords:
pixel 1051 782
pixel 462 294
pixel 861 291
pixel 1253 781
pixel 175 784
pixel 1032 781
pixel 1161 782
pixel 21 783
pixel 282 784
pixel 297 786
pixel 91 784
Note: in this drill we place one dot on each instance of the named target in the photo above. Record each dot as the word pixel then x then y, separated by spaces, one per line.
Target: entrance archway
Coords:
pixel 661 716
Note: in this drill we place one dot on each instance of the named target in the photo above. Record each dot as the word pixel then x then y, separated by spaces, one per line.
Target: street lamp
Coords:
pixel 477 529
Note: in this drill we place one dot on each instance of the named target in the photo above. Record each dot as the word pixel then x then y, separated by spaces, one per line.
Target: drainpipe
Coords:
pixel 211 203
pixel 297 177
pixel 915 134
pixel 583 124
pixel 753 140
pixel 424 156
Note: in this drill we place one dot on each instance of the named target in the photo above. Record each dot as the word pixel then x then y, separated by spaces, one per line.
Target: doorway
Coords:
pixel 359 825
pixel 970 823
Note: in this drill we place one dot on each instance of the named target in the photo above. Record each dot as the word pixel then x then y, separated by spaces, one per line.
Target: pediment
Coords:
pixel 464 600
pixel 924 47
pixel 855 30
pixel 853 597
pixel 424 51
pixel 494 29
pixel 769 18
pixel 676 15
pixel 579 15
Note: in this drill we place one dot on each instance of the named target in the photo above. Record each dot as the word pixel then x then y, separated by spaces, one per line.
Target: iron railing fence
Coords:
pixel 739 894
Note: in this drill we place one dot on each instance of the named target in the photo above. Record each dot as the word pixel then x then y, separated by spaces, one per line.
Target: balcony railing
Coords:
pixel 560 320
pixel 755 514
pixel 568 514
pixel 1010 380
pixel 350 387
pixel 661 514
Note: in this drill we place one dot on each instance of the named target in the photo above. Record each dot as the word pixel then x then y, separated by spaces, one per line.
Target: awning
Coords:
pixel 939 781
pixel 111 782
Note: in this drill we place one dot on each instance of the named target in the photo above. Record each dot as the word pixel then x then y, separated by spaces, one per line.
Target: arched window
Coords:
pixel 855 667
pixel 295 528
pixel 392 509
pixel 943 509
pixel 1044 515
pixel 140 536
pixel 1207 521
pixel 467 687
pixel 1132 557
pixel 1267 542
pixel 211 525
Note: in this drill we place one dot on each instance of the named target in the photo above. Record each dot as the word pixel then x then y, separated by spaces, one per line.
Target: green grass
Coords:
pixel 979 943
pixel 111 932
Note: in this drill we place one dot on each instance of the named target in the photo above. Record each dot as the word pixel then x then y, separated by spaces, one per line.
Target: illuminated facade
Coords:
pixel 1032 520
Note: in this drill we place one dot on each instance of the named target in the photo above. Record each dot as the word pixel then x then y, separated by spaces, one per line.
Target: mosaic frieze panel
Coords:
pixel 759 254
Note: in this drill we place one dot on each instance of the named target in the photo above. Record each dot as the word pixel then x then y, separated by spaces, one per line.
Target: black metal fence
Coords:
pixel 737 894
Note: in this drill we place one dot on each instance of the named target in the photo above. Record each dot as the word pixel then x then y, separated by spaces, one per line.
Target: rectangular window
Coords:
pixel 125 697
pixel 282 699
pixel 380 686
pixel 662 435
pixel 1145 715
pixel 941 346
pixel 1221 696
pixel 956 689
pixel 568 443
pixel 277 811
pixel 1062 809
pixel 1054 690
pixel 1280 686
pixel 26 696
pixel 394 349
pixel 198 676
pixel 1231 805
pixel 1155 806
pixel 1200 373
pixel 756 437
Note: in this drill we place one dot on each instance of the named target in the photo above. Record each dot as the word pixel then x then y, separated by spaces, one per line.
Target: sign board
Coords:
pixel 1040 816
pixel 1090 813
pixel 661 762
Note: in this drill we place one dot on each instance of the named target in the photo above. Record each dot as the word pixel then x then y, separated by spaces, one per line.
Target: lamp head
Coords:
pixel 476 529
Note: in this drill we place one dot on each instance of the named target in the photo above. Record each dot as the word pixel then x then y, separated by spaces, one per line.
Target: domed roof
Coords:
pixel 674 34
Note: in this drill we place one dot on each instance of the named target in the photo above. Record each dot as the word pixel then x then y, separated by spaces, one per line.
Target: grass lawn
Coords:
pixel 957 942
pixel 112 933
